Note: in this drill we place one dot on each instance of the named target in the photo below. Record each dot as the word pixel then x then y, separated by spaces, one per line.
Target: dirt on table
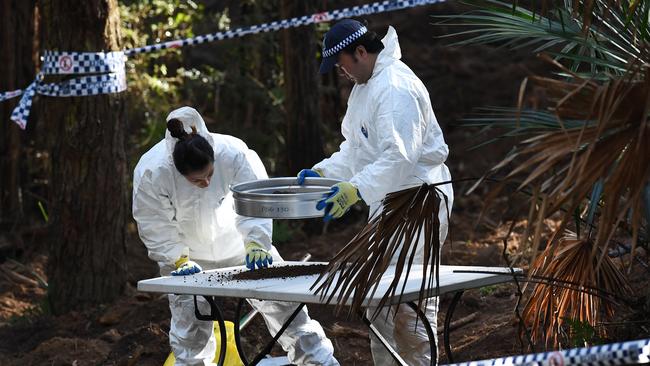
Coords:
pixel 281 272
pixel 134 329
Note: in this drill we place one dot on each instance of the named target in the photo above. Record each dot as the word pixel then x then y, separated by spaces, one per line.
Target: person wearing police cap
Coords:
pixel 392 141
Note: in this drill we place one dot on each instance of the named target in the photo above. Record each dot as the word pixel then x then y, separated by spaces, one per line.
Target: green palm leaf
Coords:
pixel 604 45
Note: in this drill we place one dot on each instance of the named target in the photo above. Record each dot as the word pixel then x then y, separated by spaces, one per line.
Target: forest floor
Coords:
pixel 133 330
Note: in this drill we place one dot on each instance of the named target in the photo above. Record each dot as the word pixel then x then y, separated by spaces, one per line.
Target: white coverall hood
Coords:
pixel 189 117
pixel 393 142
pixel 390 53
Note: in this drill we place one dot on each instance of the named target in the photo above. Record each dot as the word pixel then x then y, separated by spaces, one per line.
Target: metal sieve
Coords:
pixel 281 198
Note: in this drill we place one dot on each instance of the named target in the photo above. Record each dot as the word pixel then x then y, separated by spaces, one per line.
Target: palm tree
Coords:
pixel 586 158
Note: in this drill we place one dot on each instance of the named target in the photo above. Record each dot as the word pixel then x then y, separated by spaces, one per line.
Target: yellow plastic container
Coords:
pixel 232 357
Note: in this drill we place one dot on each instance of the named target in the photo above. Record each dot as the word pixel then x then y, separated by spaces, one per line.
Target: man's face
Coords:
pixel 355 67
pixel 201 178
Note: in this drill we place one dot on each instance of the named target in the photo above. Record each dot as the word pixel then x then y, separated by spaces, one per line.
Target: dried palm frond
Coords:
pixel 609 151
pixel 592 146
pixel 596 154
pixel 586 157
pixel 394 233
pixel 550 306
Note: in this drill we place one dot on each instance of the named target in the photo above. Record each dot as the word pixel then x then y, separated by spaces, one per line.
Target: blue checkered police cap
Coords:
pixel 341 35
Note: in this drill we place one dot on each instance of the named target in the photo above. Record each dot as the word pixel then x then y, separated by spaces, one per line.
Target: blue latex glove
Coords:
pixel 314 173
pixel 184 266
pixel 256 254
pixel 338 200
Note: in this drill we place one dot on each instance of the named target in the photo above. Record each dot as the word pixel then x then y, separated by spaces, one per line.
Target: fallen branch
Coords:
pixel 460 322
pixel 29 270
pixel 342 330
pixel 15 277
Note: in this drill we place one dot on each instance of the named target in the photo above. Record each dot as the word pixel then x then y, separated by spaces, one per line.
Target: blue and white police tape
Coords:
pixel 374 8
pixel 111 64
pixel 108 77
pixel 10 94
pixel 626 353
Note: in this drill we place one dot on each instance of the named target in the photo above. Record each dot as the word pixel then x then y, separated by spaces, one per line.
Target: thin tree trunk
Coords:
pixel 89 166
pixel 301 83
pixel 16 72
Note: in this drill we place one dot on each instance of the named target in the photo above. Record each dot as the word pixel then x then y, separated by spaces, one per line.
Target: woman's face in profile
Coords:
pixel 201 178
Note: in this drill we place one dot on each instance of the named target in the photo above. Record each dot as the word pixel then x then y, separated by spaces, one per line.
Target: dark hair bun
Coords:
pixel 176 129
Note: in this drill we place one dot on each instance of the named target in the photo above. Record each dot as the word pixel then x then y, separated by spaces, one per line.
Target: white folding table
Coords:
pixel 216 283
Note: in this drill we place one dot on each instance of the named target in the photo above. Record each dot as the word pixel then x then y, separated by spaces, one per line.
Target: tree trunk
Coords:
pixel 17 71
pixel 89 166
pixel 301 84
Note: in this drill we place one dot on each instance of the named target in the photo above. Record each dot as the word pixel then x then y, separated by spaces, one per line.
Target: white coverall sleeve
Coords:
pixel 154 214
pixel 337 166
pixel 248 167
pixel 400 126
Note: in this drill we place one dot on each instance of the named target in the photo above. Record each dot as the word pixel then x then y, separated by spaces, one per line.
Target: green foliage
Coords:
pixel 43 212
pixel 518 122
pixel 581 333
pixel 31 314
pixel 154 83
pixel 235 84
pixel 487 290
pixel 282 232
pixel 597 44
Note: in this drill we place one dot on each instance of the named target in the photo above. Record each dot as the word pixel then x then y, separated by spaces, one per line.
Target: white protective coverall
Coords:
pixel 171 214
pixel 393 142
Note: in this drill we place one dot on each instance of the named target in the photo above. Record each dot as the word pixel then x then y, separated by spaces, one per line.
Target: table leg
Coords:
pixel 215 314
pixel 267 349
pixel 450 313
pixel 433 346
pixel 240 349
pixel 427 326
pixel 383 340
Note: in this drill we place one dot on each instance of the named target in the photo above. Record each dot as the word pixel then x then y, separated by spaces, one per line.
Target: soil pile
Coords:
pixel 280 272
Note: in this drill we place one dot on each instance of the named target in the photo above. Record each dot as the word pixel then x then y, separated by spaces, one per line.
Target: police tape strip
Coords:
pixel 60 63
pixel 10 94
pixel 626 353
pixel 77 87
pixel 374 8
pixel 21 112
pixel 111 64
pixel 108 77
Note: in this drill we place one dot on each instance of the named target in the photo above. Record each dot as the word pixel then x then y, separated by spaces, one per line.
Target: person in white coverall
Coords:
pixel 186 219
pixel 392 142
